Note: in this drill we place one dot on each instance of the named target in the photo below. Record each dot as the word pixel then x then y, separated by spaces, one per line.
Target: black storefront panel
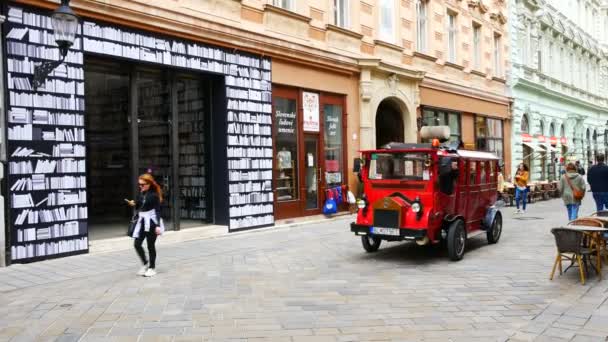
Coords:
pixel 46 135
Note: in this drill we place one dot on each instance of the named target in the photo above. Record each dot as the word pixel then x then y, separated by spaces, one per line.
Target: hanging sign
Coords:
pixel 541 139
pixel 310 102
pixel 553 141
pixel 525 137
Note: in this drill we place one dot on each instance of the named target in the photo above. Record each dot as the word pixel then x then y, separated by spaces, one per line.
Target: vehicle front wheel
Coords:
pixel 456 241
pixel 370 243
pixel 495 230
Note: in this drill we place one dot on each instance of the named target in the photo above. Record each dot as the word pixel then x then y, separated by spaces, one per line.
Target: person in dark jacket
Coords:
pixel 149 223
pixel 598 180
pixel 579 168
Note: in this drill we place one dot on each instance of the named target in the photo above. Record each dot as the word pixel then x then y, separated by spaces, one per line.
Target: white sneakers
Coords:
pixel 150 273
pixel 518 211
pixel 146 272
pixel 142 270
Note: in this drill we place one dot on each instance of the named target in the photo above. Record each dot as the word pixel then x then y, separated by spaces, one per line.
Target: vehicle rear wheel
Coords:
pixel 370 243
pixel 496 229
pixel 457 239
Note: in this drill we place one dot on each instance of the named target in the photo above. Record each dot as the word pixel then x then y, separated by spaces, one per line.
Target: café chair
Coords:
pixel 601 213
pixel 588 240
pixel 568 242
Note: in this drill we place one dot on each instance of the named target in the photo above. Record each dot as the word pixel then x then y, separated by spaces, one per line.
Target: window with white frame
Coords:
pixel 572 73
pixel 286 4
pixel 341 13
pixel 387 22
pixel 421 23
pixel 452 38
pixel 528 46
pixel 541 49
pixel 476 46
pixel 497 55
pixel 551 61
pixel 586 73
pixel 561 62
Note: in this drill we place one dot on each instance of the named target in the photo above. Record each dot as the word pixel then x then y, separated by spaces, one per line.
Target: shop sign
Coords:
pixel 525 137
pixel 563 141
pixel 553 141
pixel 310 102
pixel 286 123
pixel 541 139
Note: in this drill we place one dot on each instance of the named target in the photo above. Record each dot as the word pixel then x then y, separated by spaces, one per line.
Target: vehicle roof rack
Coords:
pixel 451 146
pixel 404 146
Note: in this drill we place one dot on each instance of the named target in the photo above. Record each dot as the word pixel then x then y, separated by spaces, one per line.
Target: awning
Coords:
pixel 533 146
pixel 548 147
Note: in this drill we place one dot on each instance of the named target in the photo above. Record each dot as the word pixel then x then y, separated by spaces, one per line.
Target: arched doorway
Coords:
pixel 389 123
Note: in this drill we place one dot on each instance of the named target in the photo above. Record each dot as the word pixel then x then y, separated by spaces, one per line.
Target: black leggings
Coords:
pixel 150 241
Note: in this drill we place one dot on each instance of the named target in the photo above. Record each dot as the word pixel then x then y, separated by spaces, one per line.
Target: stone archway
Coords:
pixel 389 123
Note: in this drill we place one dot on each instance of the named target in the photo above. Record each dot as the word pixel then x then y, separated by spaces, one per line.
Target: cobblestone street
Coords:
pixel 312 283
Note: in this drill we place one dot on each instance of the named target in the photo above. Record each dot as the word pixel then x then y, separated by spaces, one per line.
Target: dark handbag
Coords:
pixel 132 225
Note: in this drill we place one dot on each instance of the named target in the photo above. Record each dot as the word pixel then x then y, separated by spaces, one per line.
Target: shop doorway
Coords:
pixel 389 123
pixel 147 120
pixel 308 161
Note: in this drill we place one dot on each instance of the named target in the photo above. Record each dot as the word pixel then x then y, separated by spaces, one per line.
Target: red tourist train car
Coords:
pixel 427 193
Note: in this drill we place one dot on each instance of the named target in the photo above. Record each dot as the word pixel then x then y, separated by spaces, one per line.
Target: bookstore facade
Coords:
pixel 196 116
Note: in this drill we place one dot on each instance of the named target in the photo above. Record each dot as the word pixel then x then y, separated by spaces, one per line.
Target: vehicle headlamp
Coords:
pixel 416 207
pixel 361 204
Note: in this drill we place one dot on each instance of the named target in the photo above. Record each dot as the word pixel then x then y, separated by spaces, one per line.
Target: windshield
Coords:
pixel 404 166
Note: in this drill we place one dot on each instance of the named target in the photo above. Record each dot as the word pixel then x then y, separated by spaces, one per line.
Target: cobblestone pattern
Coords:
pixel 312 284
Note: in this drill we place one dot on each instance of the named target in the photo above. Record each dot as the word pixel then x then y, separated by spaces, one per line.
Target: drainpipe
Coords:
pixel 3 251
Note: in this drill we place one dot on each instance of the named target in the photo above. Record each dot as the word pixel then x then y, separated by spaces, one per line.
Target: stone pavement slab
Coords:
pixel 311 283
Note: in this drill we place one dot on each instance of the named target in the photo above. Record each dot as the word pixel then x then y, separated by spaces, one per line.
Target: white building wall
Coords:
pixel 559 76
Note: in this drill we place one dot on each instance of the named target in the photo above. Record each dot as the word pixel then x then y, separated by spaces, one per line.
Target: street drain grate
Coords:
pixel 527 218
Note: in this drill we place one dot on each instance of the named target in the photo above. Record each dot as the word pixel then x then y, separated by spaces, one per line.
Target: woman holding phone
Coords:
pixel 149 223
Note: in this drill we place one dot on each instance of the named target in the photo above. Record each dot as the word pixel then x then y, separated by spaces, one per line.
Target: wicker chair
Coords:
pixel 568 241
pixel 588 241
pixel 601 213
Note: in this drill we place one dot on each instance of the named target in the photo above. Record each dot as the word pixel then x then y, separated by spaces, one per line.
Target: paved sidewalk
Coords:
pixel 311 283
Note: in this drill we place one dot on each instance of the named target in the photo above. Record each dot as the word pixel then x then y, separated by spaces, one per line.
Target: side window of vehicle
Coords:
pixel 472 172
pixel 492 171
pixel 482 172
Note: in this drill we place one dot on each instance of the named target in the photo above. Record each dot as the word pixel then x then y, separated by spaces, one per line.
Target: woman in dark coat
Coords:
pixel 149 223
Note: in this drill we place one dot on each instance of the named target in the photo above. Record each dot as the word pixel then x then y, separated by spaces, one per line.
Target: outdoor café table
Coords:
pixel 596 236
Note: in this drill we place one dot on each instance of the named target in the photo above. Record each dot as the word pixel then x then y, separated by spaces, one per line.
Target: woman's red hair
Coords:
pixel 148 178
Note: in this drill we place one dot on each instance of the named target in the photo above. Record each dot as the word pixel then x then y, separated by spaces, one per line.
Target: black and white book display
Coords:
pixel 46 128
pixel 46 143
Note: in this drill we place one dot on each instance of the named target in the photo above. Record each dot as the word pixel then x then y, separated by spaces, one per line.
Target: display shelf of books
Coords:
pixel 47 167
pixel 192 154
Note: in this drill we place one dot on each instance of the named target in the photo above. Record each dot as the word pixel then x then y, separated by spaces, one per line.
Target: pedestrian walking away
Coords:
pixel 597 176
pixel 572 188
pixel 148 224
pixel 521 187
pixel 579 168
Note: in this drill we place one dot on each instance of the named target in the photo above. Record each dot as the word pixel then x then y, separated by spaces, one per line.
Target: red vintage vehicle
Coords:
pixel 429 193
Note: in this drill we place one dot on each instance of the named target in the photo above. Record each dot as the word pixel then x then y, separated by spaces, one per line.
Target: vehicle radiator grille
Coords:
pixel 386 218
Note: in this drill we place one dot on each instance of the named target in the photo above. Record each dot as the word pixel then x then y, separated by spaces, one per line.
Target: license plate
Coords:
pixel 385 231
